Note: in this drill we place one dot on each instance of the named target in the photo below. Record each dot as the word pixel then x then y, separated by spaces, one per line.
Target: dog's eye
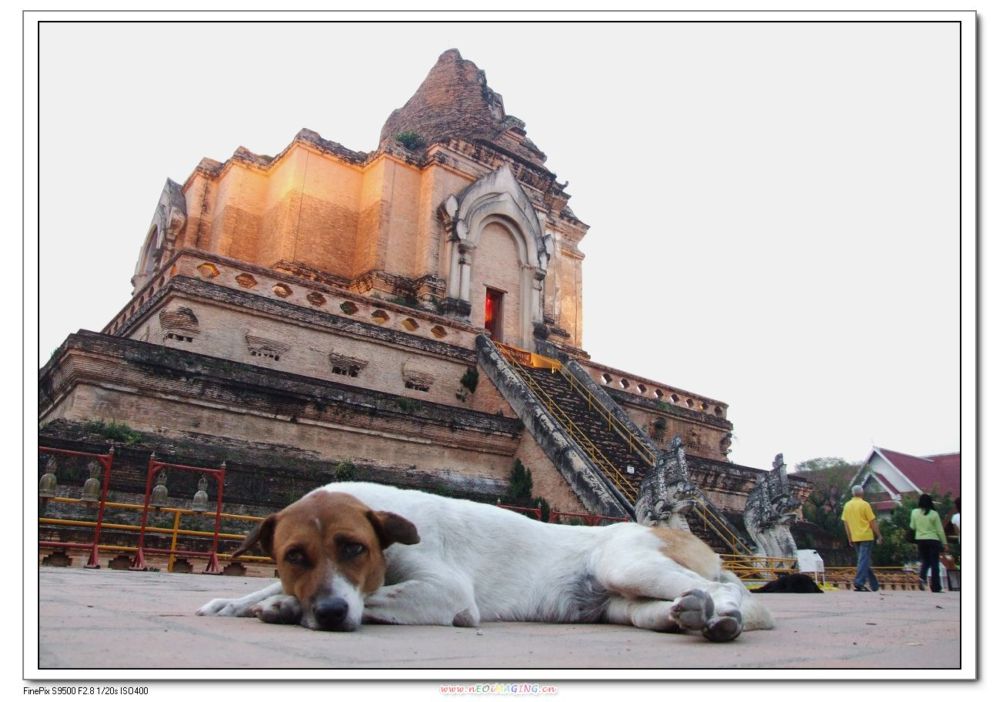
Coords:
pixel 351 550
pixel 296 557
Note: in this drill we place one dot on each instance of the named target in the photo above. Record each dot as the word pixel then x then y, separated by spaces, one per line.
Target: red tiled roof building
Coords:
pixel 888 475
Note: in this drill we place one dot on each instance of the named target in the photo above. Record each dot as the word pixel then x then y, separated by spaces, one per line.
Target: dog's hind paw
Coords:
pixel 693 610
pixel 725 627
pixel 279 609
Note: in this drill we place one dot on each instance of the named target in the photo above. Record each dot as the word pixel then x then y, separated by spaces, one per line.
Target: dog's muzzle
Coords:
pixel 330 614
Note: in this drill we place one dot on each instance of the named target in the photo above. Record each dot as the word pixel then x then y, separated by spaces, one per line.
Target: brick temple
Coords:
pixel 415 310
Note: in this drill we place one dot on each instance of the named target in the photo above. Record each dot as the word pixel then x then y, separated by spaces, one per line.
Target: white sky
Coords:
pixel 773 207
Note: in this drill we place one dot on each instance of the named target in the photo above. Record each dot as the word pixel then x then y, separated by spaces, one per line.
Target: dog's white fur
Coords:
pixel 476 563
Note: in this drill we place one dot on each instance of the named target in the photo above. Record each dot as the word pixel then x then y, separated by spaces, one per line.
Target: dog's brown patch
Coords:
pixel 689 551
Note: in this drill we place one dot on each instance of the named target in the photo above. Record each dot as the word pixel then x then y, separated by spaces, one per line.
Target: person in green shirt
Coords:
pixel 931 541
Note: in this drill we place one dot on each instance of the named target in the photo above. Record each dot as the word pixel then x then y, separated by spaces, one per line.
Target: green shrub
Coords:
pixel 520 486
pixel 410 140
pixel 471 379
pixel 115 431
pixel 546 508
pixel 345 471
pixel 407 405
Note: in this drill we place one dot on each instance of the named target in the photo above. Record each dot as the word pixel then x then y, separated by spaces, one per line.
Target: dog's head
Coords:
pixel 329 550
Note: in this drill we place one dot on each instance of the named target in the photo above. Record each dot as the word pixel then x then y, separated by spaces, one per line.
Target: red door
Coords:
pixel 494 314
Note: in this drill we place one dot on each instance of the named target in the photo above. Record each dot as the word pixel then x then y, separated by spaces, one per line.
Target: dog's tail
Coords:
pixel 755 614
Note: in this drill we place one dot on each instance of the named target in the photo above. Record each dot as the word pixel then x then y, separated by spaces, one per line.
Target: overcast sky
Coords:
pixel 773 207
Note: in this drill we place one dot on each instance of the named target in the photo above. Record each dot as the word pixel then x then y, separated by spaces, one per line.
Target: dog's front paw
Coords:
pixel 693 610
pixel 280 609
pixel 223 607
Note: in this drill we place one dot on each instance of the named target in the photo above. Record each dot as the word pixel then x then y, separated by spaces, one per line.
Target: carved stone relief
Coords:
pixel 262 347
pixel 179 324
pixel 416 377
pixel 342 364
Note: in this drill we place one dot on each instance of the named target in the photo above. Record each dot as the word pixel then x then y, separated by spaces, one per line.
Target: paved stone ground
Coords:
pixel 121 619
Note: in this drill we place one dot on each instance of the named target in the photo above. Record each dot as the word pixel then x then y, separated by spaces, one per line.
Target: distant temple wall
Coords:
pixel 163 393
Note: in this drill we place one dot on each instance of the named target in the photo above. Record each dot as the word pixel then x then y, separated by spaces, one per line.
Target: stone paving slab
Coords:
pixel 145 620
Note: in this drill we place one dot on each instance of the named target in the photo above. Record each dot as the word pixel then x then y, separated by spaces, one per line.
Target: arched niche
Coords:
pixel 497 202
pixel 168 220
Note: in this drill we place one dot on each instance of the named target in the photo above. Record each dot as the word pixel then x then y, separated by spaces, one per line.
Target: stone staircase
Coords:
pixel 616 452
pixel 717 530
pixel 621 453
pixel 620 458
pixel 599 487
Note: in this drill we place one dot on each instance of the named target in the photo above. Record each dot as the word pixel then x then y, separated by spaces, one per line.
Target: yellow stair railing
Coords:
pixel 634 443
pixel 721 529
pixel 518 359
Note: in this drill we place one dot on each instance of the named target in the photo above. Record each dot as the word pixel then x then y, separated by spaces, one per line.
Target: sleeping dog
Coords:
pixel 350 553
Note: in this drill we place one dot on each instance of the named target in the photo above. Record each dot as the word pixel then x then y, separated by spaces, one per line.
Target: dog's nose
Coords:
pixel 331 612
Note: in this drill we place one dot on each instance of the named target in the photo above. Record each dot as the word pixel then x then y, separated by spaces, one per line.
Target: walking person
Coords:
pixel 931 541
pixel 862 532
pixel 956 519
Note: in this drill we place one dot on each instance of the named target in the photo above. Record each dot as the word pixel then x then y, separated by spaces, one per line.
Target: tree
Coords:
pixel 814 465
pixel 520 486
pixel 895 548
pixel 831 489
pixel 519 491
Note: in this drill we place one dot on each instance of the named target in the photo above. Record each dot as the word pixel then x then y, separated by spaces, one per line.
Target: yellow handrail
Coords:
pixel 614 474
pixel 132 527
pixel 721 529
pixel 634 443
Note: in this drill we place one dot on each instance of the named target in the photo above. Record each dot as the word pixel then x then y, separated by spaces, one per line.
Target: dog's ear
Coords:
pixel 393 529
pixel 263 534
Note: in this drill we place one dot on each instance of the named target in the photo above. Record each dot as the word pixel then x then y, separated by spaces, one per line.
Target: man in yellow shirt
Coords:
pixel 862 530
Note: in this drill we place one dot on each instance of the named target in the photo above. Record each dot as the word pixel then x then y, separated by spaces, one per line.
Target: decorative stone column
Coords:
pixel 537 296
pixel 465 271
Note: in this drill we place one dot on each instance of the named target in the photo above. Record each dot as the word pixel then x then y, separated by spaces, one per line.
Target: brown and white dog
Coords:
pixel 350 553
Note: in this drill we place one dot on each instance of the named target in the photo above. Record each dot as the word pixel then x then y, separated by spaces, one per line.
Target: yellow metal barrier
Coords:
pixel 174 531
pixel 889 577
pixel 751 567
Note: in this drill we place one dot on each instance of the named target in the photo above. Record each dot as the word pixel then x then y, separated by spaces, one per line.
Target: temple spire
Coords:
pixel 454 101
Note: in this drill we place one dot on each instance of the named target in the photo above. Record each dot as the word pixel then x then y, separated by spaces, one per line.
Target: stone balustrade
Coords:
pixel 650 389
